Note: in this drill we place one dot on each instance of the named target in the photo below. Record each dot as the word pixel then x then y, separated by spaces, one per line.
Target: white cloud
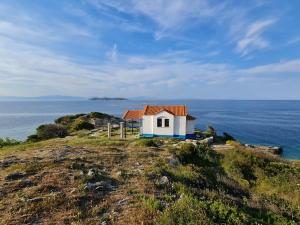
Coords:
pixel 113 53
pixel 252 38
pixel 291 66
pixel 294 40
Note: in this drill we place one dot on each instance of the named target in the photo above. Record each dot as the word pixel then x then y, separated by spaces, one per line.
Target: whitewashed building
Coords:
pixel 163 121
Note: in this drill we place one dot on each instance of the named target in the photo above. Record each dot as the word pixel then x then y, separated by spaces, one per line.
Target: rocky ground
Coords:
pixel 90 180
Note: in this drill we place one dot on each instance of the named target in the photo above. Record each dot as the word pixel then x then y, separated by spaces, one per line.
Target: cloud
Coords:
pixel 291 66
pixel 169 17
pixel 294 40
pixel 252 38
pixel 113 53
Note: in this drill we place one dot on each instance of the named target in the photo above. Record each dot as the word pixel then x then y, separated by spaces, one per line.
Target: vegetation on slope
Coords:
pixel 93 180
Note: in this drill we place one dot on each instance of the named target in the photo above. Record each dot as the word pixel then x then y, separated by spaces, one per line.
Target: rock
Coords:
pixel 15 176
pixel 25 183
pixel 276 150
pixel 173 162
pixel 208 141
pixel 122 202
pixel 101 185
pixel 92 173
pixel 164 180
pixel 249 146
pixel 120 173
pixel 137 164
pixel 36 199
pixel 7 162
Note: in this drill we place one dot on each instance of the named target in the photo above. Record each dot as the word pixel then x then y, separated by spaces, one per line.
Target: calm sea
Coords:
pixel 256 122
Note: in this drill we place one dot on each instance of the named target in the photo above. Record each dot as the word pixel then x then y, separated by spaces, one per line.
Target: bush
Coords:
pixel 210 132
pixel 228 137
pixel 33 138
pixel 148 142
pixel 231 142
pixel 189 153
pixel 80 124
pixel 48 131
pixel 8 142
pixel 186 153
pixel 186 211
pixel 65 120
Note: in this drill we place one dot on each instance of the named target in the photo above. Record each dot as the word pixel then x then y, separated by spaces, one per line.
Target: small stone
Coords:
pixel 119 173
pixel 164 180
pixel 122 201
pixel 36 199
pixel 92 173
pixel 173 162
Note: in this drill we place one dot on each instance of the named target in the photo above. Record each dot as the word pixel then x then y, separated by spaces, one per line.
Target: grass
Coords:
pixel 236 186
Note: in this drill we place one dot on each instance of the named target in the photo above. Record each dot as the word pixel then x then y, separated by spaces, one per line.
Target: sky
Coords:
pixel 195 49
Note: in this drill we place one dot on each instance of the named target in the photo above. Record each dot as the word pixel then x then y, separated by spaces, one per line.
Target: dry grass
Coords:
pixel 55 174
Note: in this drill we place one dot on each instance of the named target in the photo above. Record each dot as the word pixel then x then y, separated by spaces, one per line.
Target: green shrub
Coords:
pixel 231 142
pixel 33 138
pixel 190 153
pixel 80 124
pixel 48 131
pixel 148 142
pixel 186 211
pixel 225 214
pixel 210 132
pixel 65 120
pixel 152 203
pixel 186 153
pixel 228 137
pixel 8 142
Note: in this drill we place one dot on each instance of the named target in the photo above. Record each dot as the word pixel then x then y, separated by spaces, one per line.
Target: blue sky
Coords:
pixel 160 48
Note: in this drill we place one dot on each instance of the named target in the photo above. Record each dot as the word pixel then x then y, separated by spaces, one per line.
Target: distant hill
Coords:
pixel 106 98
pixel 42 98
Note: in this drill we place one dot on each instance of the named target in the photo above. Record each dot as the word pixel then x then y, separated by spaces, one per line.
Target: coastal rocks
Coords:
pixel 249 146
pixel 276 150
pixel 208 141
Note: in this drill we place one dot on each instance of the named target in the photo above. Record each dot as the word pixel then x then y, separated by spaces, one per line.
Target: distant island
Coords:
pixel 106 98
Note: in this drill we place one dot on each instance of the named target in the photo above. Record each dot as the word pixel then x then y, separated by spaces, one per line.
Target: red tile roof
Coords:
pixel 176 110
pixel 133 115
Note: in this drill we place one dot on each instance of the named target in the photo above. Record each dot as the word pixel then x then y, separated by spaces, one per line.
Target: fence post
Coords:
pixel 109 130
pixel 122 130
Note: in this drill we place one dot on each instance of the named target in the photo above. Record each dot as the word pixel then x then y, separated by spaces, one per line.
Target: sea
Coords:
pixel 272 123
